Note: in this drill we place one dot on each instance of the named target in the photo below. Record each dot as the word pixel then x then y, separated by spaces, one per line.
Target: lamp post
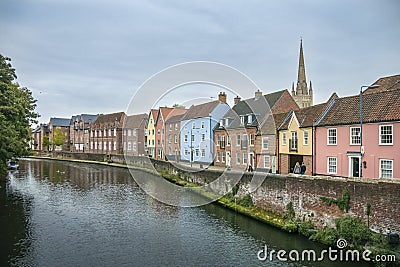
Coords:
pixel 361 124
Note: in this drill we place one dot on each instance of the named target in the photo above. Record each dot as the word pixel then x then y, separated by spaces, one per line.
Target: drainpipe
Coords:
pixel 313 151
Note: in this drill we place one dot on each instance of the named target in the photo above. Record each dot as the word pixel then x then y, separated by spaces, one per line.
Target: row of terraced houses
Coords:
pixel 268 132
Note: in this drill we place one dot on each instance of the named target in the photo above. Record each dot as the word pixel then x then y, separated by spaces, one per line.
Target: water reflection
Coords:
pixel 72 214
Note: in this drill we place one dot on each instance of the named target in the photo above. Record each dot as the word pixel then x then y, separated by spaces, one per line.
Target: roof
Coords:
pixel 377 107
pixel 63 122
pixel 163 111
pixel 153 112
pixel 135 121
pixel 109 118
pixel 388 83
pixel 202 110
pixel 84 117
pixel 176 115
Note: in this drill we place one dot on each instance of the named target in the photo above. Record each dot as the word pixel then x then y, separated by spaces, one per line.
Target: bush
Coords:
pixel 306 228
pixel 353 230
pixel 245 201
pixel 290 226
pixel 290 213
pixel 327 236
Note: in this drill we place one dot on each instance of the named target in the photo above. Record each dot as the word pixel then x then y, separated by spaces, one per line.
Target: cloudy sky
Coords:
pixel 91 56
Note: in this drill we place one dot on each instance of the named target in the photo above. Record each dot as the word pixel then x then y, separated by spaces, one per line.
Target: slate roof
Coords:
pixel 202 110
pixel 388 83
pixel 135 121
pixel 109 118
pixel 63 122
pixel 84 117
pixel 377 107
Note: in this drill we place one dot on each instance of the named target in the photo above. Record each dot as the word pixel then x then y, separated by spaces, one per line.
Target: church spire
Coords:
pixel 301 76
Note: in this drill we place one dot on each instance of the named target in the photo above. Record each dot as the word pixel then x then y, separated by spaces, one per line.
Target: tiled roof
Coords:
pixel 176 115
pixel 153 112
pixel 135 121
pixel 109 118
pixel 59 122
pixel 388 83
pixel 202 110
pixel 377 107
pixel 164 112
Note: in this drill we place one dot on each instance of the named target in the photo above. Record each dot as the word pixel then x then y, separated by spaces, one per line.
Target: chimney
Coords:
pixel 258 94
pixel 236 100
pixel 222 97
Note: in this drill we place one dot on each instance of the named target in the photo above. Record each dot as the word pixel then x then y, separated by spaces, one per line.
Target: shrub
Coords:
pixel 245 201
pixel 353 230
pixel 306 228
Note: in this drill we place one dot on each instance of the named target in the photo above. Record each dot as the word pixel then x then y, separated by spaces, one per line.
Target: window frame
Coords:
pixel 306 138
pixel 380 168
pixel 327 135
pixel 328 165
pixel 351 135
pixel 380 134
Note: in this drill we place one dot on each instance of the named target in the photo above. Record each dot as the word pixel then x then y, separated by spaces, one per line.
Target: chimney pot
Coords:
pixel 236 100
pixel 258 94
pixel 222 97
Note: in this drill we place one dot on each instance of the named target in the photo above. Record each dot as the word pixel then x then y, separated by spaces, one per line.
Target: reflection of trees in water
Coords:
pixel 14 225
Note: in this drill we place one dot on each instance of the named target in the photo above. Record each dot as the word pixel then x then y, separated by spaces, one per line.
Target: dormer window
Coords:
pixel 226 121
pixel 242 120
pixel 221 123
pixel 249 119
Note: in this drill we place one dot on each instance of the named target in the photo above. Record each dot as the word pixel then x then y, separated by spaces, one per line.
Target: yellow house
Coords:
pixel 296 138
pixel 150 132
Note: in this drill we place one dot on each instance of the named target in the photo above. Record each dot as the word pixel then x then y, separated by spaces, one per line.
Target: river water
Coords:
pixel 55 213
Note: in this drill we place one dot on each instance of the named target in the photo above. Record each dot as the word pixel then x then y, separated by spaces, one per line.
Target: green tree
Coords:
pixel 58 137
pixel 16 114
pixel 46 143
pixel 176 105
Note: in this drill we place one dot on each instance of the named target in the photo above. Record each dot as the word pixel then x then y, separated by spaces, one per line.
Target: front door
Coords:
pixel 355 166
pixel 228 158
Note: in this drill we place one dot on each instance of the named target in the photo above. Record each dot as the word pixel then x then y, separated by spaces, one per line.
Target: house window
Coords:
pixel 158 142
pixel 152 131
pixel 251 139
pixel 242 120
pixel 193 125
pixel 332 165
pixel 109 132
pixel 176 126
pixel 244 158
pixel 223 156
pixel 228 140
pixel 202 125
pixel 124 146
pixel 95 145
pixel 284 138
pixel 305 138
pixel 221 123
pixel 91 133
pixel 238 140
pixel 169 139
pixel 237 158
pixel 249 119
pixel 163 130
pixel 244 141
pixel 218 156
pixel 386 134
pixel 265 142
pixel 109 146
pixel 226 122
pixel 203 137
pixel 91 145
pixel 267 162
pixel 105 146
pixel 105 133
pixel 197 152
pixel 99 133
pixel 293 142
pixel 129 132
pixel 152 142
pixel 115 132
pixel 170 127
pixel 203 152
pixel 176 139
pixel 134 132
pixel 95 133
pixel 223 141
pixel 355 136
pixel 186 138
pixel 115 145
pixel 385 168
pixel 332 137
pixel 158 131
pixel 218 140
pixel 186 151
pixel 134 146
pixel 192 138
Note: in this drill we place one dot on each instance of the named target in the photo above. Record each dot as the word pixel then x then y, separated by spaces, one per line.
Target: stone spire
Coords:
pixel 301 88
pixel 302 95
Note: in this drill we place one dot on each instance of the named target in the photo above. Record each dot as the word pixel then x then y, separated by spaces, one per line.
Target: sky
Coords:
pixel 93 56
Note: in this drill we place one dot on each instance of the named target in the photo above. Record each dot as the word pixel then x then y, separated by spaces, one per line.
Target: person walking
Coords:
pixel 303 168
pixel 297 168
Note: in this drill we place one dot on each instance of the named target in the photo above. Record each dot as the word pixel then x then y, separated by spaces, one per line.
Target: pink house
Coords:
pixel 338 147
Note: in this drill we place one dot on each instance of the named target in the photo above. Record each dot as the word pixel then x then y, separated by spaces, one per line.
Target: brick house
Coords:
pixel 339 137
pixel 63 125
pixel 79 132
pixel 159 126
pixel 246 134
pixel 133 136
pixel 173 134
pixel 106 133
pixel 36 143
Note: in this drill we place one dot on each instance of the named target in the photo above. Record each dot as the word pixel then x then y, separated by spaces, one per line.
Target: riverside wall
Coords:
pixel 305 192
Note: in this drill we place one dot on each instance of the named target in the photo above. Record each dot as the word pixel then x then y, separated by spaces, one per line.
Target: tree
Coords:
pixel 46 142
pixel 17 107
pixel 58 137
pixel 176 105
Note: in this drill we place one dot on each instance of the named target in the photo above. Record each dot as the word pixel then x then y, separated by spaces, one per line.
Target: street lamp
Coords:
pixel 361 123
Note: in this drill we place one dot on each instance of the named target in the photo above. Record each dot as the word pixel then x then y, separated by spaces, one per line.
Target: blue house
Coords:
pixel 197 135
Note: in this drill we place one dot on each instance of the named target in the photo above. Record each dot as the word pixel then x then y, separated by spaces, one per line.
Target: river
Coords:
pixel 56 213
